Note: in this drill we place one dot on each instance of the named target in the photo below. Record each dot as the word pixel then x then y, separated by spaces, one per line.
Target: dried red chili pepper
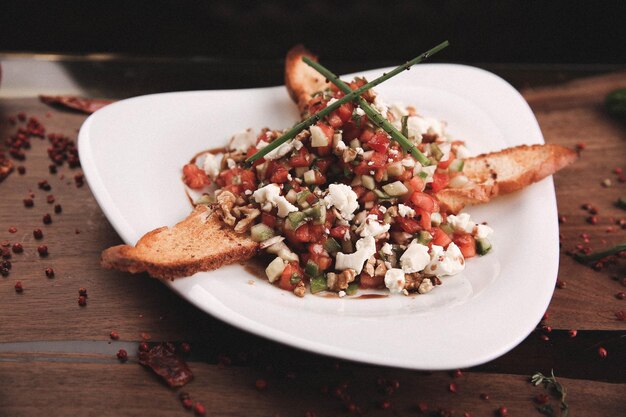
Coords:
pixel 85 105
pixel 163 360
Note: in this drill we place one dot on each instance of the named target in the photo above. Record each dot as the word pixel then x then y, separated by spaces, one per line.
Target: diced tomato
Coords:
pixel 466 244
pixel 368 196
pixel 423 217
pixel 301 159
pixel 291 270
pixel 440 238
pixel 416 184
pixel 316 232
pixel 379 160
pixel 379 174
pixel 423 201
pixel 302 233
pixel 327 130
pixel 316 104
pixel 376 211
pixel 251 151
pixel 339 232
pixel 319 178
pixel 195 177
pixel 408 224
pixel 368 281
pixel 268 220
pixel 324 150
pixel 359 190
pixel 323 164
pixel 323 262
pixel 345 112
pixel 237 179
pixel 350 131
pixel 363 168
pixel 440 181
pixel 366 135
pixel 280 175
pixel 380 142
pixel 445 164
pixel 334 120
pixel 316 249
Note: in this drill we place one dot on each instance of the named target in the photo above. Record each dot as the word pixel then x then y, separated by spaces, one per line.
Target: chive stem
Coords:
pixel 374 116
pixel 348 97
pixel 596 256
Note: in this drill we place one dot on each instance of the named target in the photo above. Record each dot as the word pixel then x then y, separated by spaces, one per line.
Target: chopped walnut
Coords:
pixel 338 282
pixel 392 211
pixel 413 281
pixel 369 266
pixel 425 286
pixel 247 222
pixel 226 201
pixel 381 268
pixel 305 134
pixel 348 155
pixel 300 289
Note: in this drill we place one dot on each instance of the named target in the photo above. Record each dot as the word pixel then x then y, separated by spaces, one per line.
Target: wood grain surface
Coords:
pixel 56 357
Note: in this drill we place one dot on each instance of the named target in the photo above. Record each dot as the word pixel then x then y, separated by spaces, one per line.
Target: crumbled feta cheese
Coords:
pixel 359 151
pixel 231 163
pixel 381 106
pixel 343 198
pixel 408 162
pixel 271 194
pixel 429 171
pixel 262 144
pixel 415 258
pixel 382 209
pixel 425 286
pixel 318 137
pixel 436 219
pixel 418 126
pixel 211 165
pixel 297 145
pixel 359 112
pixel 248 192
pixel 445 262
pixel 331 101
pixel 461 223
pixel 398 110
pixel 462 152
pixel 341 294
pixel 281 151
pixel 372 227
pixel 365 248
pixel 483 231
pixel 405 211
pixel 242 141
pixel 387 249
pixel 394 280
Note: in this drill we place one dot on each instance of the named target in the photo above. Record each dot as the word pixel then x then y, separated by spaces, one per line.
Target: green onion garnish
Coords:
pixel 353 94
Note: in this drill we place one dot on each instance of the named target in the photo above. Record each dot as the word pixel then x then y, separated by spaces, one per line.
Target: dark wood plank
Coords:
pixel 32 387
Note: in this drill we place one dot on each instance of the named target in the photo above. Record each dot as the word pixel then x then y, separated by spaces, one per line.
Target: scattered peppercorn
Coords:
pixel 49 272
pixel 199 409
pixel 547 329
pixel 12 229
pixel 37 234
pixel 18 287
pixel 484 396
pixel 572 333
pixel 82 301
pixel 52 168
pixel 580 146
pixel 43 250
pixel 44 185
pixel 185 347
pixel 385 404
pixel 606 182
pixel 50 199
pixel 187 403
pixel 457 373
pixel 561 284
pixel 452 388
pixel 602 352
pixel 82 291
pixel 21 170
pixel 143 347
pixel 4 271
pixel 620 315
pixel 541 398
pixel 502 411
pixel 544 337
pixel 562 219
pixel 422 406
pixel 47 219
pixel 620 295
pixel 122 355
pixel 260 384
pixel 114 335
pixel 592 220
pixel 17 248
pixel 58 209
pixel 28 202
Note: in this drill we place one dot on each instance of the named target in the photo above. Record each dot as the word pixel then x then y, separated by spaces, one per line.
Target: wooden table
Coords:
pixel 57 358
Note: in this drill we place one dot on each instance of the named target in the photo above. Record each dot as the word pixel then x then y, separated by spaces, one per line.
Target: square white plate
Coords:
pixel 132 153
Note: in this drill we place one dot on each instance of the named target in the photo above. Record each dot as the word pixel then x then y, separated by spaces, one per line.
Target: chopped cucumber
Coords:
pixel 275 269
pixel 368 182
pixel 447 228
pixel 295 279
pixel 205 199
pixel 311 269
pixel 296 219
pixel 260 232
pixel 456 165
pixel 482 246
pixel 353 287
pixel 424 237
pixel 302 197
pixel 309 177
pixel 435 152
pixel 395 169
pixel 395 189
pixel 283 252
pixel 332 246
pixel 318 284
pixel 382 195
pixel 435 219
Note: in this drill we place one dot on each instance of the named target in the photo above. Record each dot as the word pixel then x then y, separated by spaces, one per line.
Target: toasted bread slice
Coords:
pixel 301 80
pixel 201 242
pixel 504 172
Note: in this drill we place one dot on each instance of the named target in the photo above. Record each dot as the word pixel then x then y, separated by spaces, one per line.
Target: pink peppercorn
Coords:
pixel 602 352
pixel 122 355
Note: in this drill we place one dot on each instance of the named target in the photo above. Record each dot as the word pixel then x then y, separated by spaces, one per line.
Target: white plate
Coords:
pixel 132 153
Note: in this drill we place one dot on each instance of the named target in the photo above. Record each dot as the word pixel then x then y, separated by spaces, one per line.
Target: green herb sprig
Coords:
pixel 550 382
pixel 374 116
pixel 348 97
pixel 596 256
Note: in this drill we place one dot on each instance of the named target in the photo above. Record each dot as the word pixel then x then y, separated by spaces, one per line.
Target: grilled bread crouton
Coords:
pixel 201 242
pixel 504 172
pixel 301 80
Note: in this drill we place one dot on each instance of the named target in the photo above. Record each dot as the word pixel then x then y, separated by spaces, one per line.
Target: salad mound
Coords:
pixel 342 206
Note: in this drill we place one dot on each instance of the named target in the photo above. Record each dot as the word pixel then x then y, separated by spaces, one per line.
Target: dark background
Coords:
pixel 370 31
